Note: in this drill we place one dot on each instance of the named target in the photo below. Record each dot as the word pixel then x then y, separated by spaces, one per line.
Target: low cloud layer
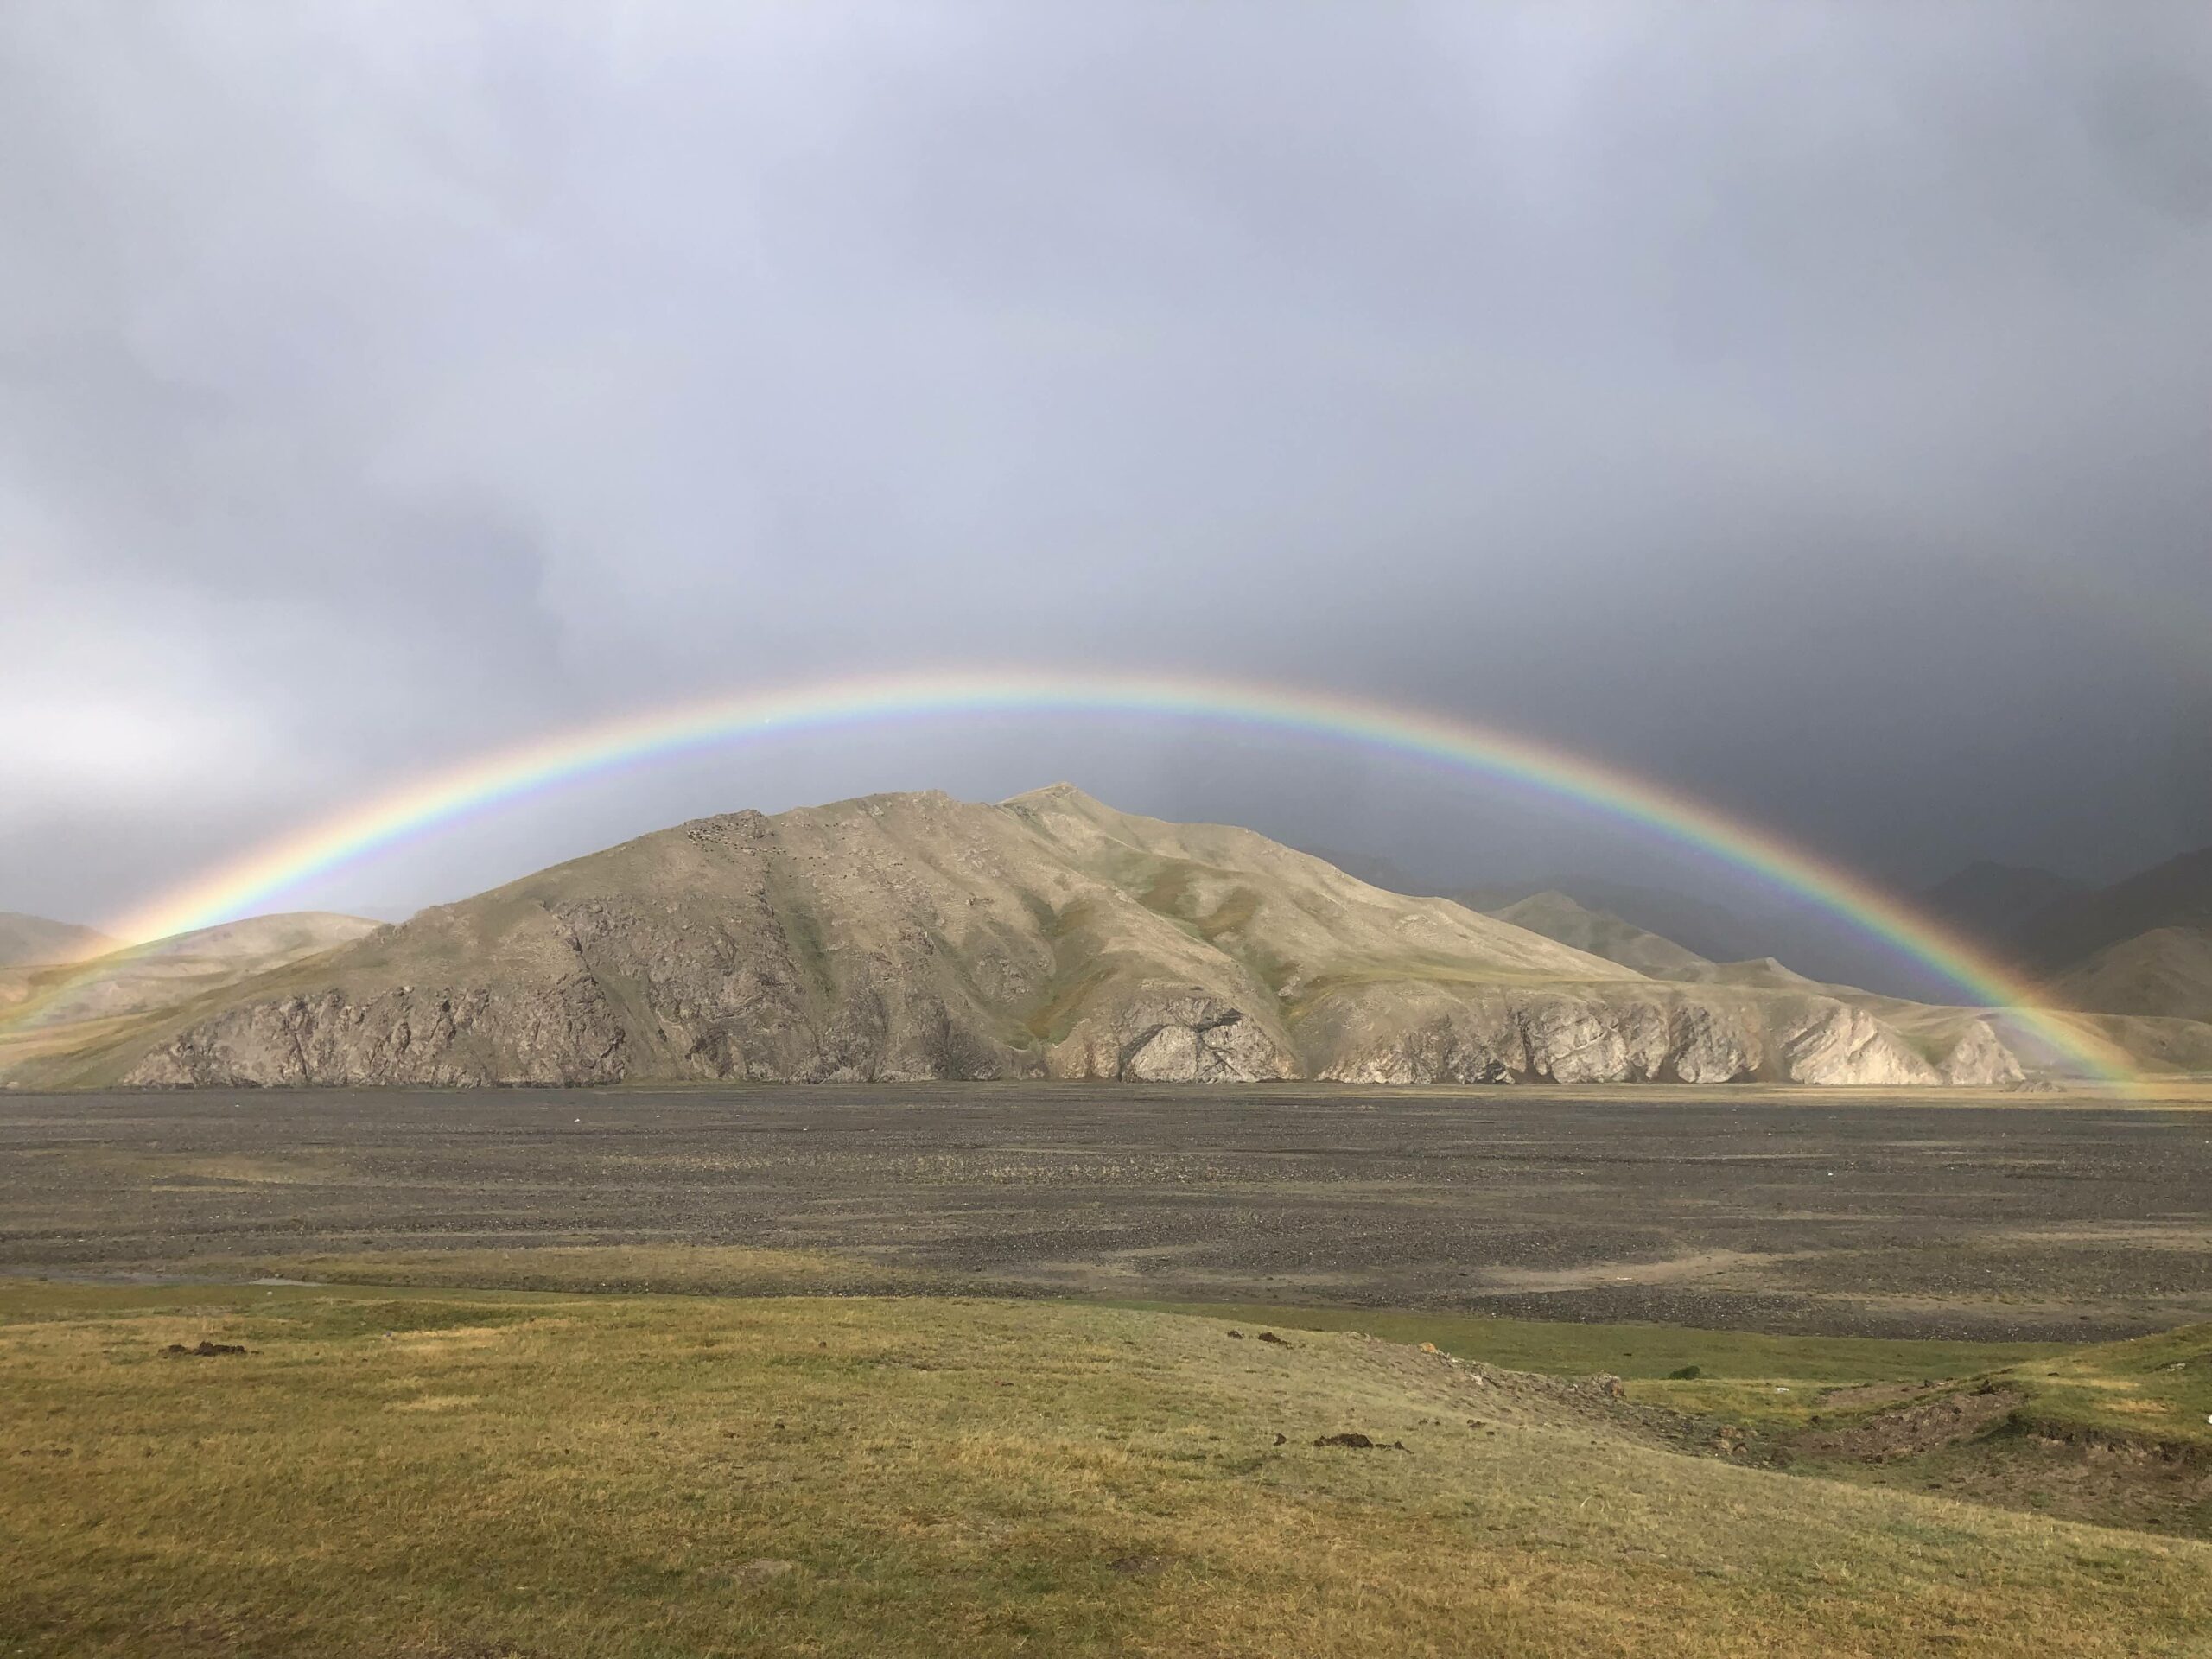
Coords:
pixel 1807 406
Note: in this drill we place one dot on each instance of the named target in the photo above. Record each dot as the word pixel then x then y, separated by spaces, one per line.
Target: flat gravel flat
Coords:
pixel 1777 1210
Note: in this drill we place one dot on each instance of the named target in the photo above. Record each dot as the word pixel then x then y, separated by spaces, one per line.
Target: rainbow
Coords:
pixel 486 782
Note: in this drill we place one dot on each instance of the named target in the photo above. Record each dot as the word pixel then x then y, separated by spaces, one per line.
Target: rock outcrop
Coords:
pixel 916 937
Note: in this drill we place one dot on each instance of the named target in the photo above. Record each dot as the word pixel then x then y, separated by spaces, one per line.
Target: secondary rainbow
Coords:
pixel 252 882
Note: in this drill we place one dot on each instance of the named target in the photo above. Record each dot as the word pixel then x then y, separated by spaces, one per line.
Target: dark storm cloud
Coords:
pixel 1806 404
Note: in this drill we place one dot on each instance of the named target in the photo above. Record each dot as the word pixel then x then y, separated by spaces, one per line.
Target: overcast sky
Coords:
pixel 1810 406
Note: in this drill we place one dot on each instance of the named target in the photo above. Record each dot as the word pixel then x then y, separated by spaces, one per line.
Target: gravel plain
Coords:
pixel 1994 1217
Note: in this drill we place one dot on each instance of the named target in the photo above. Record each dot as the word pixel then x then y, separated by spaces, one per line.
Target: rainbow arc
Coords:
pixel 263 878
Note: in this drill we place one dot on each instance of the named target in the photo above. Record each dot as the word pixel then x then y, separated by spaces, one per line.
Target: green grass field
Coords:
pixel 442 1472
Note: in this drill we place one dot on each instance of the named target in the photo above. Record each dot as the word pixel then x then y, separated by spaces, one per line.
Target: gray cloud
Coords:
pixel 1806 405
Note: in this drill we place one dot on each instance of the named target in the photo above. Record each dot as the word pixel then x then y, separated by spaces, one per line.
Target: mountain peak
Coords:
pixel 1059 938
pixel 1061 794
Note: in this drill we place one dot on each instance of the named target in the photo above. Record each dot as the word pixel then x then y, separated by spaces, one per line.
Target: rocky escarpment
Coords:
pixel 1404 1035
pixel 916 937
pixel 567 1033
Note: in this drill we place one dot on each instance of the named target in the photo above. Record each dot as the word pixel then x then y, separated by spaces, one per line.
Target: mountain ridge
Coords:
pixel 913 936
pixel 2175 893
pixel 141 979
pixel 28 941
pixel 1996 905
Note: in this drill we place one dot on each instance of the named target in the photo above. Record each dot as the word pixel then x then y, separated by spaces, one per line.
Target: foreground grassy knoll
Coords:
pixel 2119 1433
pixel 444 1472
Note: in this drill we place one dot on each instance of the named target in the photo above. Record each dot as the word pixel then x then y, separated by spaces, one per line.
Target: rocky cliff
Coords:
pixel 910 936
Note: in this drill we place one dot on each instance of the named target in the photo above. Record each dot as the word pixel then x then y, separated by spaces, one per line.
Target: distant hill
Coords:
pixel 1997 905
pixel 1376 871
pixel 2141 948
pixel 915 936
pixel 1602 934
pixel 1558 917
pixel 32 941
pixel 2165 972
pixel 172 972
pixel 1708 930
pixel 2175 894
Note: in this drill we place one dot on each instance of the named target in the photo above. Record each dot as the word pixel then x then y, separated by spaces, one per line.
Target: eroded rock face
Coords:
pixel 1402 1034
pixel 404 1037
pixel 1207 1045
pixel 1709 1047
pixel 1151 1035
pixel 1979 1060
pixel 1847 1045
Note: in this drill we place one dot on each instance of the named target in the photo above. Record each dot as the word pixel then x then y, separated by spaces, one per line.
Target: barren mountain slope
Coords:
pixel 1706 931
pixel 2176 893
pixel 50 1016
pixel 33 941
pixel 2165 972
pixel 1558 917
pixel 916 936
pixel 169 972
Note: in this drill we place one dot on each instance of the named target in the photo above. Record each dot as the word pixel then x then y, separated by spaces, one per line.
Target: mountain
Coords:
pixel 1998 904
pixel 2141 947
pixel 1372 868
pixel 913 936
pixel 172 972
pixel 33 941
pixel 1821 947
pixel 1558 917
pixel 1602 934
pixel 2165 972
pixel 1706 931
pixel 2175 894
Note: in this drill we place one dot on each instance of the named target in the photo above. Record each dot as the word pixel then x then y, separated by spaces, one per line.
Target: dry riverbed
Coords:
pixel 2031 1217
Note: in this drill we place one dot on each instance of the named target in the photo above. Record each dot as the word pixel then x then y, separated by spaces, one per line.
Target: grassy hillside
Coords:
pixel 445 1473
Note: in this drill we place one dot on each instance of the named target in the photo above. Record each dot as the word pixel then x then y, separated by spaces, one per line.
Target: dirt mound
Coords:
pixel 1361 1443
pixel 2139 1483
pixel 1985 1445
pixel 1928 1424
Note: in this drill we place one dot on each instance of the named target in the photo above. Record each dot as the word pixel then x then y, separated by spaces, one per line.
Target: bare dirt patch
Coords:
pixel 1923 1425
pixel 2113 1482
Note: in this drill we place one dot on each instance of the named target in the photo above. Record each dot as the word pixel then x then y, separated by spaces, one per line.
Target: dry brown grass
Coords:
pixel 449 1473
